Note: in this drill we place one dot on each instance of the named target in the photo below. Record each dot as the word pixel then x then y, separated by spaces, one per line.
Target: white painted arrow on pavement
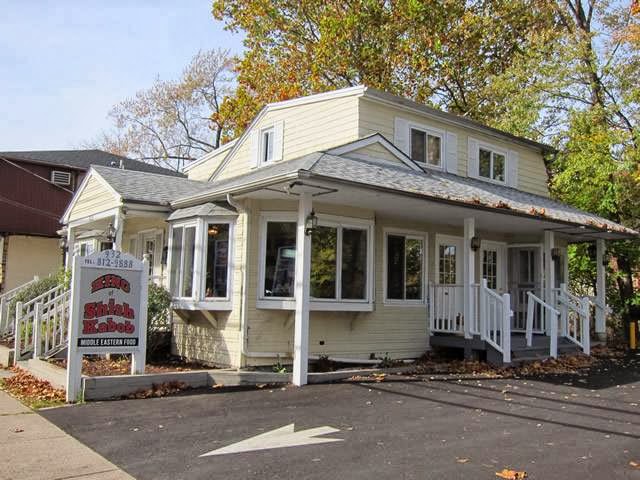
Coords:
pixel 279 438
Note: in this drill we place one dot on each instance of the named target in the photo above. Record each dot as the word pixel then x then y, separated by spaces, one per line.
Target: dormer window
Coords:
pixel 426 147
pixel 266 145
pixel 492 164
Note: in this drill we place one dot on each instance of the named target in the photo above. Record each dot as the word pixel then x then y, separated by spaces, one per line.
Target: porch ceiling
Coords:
pixel 413 209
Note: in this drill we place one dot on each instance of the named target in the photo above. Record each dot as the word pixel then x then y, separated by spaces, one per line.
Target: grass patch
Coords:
pixel 31 391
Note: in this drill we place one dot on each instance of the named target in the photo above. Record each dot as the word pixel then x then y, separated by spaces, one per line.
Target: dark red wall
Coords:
pixel 30 205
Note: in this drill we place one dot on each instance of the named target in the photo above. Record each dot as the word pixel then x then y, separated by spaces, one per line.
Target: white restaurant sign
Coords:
pixel 108 311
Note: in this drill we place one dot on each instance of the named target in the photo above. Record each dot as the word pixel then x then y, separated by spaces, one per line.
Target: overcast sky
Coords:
pixel 65 63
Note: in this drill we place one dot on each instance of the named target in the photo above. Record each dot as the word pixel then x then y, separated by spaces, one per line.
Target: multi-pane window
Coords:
pixel 200 274
pixel 490 268
pixel 217 263
pixel 324 267
pixel 426 147
pixel 280 262
pixel 491 165
pixel 447 266
pixel 404 267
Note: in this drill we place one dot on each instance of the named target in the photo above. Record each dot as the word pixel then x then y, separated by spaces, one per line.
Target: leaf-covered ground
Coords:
pixel 32 391
pixel 121 365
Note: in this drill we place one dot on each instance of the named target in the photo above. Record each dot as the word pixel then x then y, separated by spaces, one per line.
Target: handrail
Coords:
pixel 6 326
pixel 575 318
pixel 495 320
pixel 555 314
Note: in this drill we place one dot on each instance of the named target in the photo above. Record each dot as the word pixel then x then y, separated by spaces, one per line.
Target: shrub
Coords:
pixel 33 290
pixel 158 322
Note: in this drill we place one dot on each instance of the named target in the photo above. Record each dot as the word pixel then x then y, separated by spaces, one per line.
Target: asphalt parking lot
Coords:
pixel 418 428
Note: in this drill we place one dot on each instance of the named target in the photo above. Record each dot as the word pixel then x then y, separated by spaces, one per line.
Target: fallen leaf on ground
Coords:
pixel 462 460
pixel 511 474
pixel 18 430
pixel 634 464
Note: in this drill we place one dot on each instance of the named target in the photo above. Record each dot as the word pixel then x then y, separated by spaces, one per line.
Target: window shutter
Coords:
pixel 278 140
pixel 255 147
pixel 451 153
pixel 512 169
pixel 401 135
pixel 473 166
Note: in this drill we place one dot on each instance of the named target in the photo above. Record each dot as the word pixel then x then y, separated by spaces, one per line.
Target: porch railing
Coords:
pixel 495 320
pixel 446 308
pixel 537 308
pixel 25 332
pixel 52 326
pixel 6 322
pixel 575 318
pixel 519 299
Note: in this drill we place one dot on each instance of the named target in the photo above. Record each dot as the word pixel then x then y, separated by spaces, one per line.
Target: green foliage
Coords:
pixel 158 322
pixel 32 291
pixel 279 367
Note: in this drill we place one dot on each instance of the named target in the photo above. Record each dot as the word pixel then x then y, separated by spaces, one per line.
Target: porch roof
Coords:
pixel 204 210
pixel 429 185
pixel 146 187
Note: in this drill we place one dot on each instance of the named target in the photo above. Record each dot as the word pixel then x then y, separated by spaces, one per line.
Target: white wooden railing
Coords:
pixel 537 308
pixel 495 320
pixel 446 308
pixel 6 320
pixel 519 299
pixel 575 318
pixel 26 314
pixel 51 324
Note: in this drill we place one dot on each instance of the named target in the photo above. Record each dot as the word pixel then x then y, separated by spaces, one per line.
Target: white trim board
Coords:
pixel 380 140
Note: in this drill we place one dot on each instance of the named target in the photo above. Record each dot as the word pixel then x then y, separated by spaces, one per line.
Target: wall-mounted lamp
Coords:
pixel 63 242
pixel 213 230
pixel 311 223
pixel 555 253
pixel 475 243
pixel 606 258
pixel 110 233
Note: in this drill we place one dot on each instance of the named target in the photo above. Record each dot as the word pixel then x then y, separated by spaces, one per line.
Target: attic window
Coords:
pixel 266 145
pixel 61 178
pixel 492 164
pixel 426 147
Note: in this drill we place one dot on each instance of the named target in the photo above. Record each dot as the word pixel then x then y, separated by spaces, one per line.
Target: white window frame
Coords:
pixel 493 149
pixel 271 131
pixel 319 304
pixel 91 243
pixel 501 267
pixel 434 132
pixel 61 172
pixel 198 301
pixel 408 234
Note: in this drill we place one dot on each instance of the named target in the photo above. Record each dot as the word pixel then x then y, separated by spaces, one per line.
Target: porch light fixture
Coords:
pixel 213 230
pixel 606 258
pixel 475 243
pixel 63 242
pixel 555 253
pixel 311 223
pixel 110 233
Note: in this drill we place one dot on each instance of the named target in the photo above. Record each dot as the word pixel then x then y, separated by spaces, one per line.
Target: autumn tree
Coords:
pixel 445 53
pixel 174 121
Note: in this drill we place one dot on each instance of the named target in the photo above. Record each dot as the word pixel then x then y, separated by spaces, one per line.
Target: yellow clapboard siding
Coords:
pixel 94 198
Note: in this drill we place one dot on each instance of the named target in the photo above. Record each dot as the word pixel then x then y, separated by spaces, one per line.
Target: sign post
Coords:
pixel 108 311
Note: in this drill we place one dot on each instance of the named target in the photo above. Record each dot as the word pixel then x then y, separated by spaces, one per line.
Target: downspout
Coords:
pixel 244 327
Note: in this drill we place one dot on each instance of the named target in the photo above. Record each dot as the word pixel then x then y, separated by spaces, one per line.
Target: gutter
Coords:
pixel 244 325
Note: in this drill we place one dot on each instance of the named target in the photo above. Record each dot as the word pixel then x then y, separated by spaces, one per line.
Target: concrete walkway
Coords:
pixel 34 448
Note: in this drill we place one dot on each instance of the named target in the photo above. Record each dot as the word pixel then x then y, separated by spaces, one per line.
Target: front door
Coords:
pixel 492 265
pixel 524 276
pixel 448 301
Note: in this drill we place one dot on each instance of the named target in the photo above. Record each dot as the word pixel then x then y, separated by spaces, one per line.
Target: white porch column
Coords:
pixel 303 269
pixel 601 290
pixel 469 273
pixel 549 277
pixel 118 225
pixel 71 240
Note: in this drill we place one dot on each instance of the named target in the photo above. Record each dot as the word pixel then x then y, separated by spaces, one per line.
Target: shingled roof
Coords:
pixel 430 185
pixel 145 187
pixel 83 159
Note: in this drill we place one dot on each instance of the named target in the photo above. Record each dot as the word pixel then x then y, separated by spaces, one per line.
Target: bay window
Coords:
pixel 341 262
pixel 405 267
pixel 200 263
